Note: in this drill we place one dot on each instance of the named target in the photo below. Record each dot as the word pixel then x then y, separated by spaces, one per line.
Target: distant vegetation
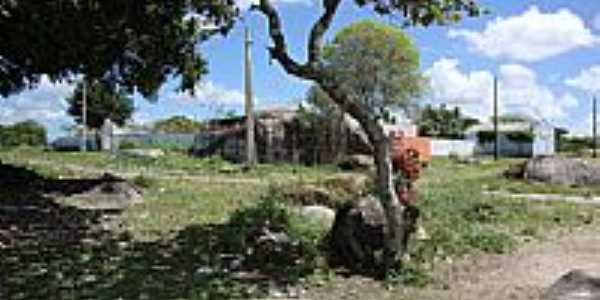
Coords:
pixel 177 124
pixel 444 122
pixel 29 133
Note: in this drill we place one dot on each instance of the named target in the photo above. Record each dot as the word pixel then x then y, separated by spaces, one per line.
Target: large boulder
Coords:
pixel 575 285
pixel 562 170
pixel 318 214
pixel 109 192
pixel 357 237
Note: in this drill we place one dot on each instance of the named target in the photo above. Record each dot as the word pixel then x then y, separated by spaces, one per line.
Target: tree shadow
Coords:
pixel 52 251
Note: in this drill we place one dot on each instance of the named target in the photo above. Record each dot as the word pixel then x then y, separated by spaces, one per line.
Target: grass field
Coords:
pixel 152 250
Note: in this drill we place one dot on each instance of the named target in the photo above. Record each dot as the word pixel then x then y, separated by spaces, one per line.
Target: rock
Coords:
pixel 318 214
pixel 562 170
pixel 109 192
pixel 144 153
pixel 358 162
pixel 575 285
pixel 357 236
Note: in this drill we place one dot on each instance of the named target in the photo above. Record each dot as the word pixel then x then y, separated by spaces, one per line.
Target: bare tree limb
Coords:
pixel 315 40
pixel 279 50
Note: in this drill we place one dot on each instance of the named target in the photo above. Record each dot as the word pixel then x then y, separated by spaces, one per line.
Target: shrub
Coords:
pixel 298 257
pixel 29 133
pixel 128 145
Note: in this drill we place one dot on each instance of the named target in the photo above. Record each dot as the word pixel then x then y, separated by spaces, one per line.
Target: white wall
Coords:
pixel 441 147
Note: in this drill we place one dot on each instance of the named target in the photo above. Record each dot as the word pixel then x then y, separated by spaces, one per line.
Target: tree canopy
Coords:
pixel 135 44
pixel 177 124
pixel 376 64
pixel 102 103
pixel 444 122
pixel 29 132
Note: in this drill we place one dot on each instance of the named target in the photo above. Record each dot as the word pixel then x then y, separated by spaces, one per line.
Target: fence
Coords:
pixel 156 140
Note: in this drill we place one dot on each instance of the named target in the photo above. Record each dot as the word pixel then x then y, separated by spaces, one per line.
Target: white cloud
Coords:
pixel 207 93
pixel 519 91
pixel 46 103
pixel 588 80
pixel 472 90
pixel 531 36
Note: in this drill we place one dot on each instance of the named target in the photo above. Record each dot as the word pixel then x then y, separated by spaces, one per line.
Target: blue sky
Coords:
pixel 545 54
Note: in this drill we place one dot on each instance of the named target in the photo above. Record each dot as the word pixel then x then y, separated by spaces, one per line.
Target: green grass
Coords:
pixel 460 221
pixel 174 227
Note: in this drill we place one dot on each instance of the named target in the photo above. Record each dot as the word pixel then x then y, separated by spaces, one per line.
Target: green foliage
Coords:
pixel 427 12
pixel 575 144
pixel 177 124
pixel 515 136
pixel 128 145
pixel 29 133
pixel 102 103
pixel 124 43
pixel 304 256
pixel 444 122
pixel 376 64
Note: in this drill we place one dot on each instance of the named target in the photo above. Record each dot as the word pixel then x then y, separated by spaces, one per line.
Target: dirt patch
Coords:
pixel 522 275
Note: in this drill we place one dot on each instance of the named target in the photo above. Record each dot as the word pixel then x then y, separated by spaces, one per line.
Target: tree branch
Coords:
pixel 318 30
pixel 279 50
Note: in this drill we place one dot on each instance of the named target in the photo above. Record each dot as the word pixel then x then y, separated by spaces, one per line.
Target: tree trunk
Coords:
pixel 397 227
pixel 394 211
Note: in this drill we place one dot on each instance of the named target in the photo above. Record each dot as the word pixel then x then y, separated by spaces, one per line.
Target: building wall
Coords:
pixel 507 147
pixel 444 147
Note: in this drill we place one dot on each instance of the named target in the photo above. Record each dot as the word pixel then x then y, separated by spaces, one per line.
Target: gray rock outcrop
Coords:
pixel 562 170
pixel 575 285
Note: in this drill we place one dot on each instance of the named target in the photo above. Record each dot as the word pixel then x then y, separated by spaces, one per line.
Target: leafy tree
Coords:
pixel 415 12
pixel 443 122
pixel 139 44
pixel 177 124
pixel 135 44
pixel 30 133
pixel 102 103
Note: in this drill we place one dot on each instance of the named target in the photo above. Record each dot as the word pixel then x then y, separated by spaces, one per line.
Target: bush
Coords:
pixel 128 145
pixel 29 133
pixel 293 259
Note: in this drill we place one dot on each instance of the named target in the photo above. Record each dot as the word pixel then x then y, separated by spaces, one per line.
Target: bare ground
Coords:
pixel 521 275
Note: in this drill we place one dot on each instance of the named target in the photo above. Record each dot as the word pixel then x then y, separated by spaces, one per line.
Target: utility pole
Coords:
pixel 496 133
pixel 594 126
pixel 250 141
pixel 84 115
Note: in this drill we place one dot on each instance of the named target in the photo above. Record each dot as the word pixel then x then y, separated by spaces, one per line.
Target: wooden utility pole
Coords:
pixel 496 133
pixel 594 126
pixel 84 116
pixel 250 141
